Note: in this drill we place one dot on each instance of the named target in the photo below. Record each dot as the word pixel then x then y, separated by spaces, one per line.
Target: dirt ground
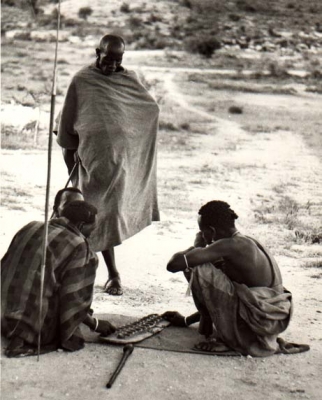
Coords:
pixel 258 162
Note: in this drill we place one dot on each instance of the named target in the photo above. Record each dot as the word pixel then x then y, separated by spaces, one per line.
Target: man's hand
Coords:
pixel 76 157
pixel 105 328
pixel 174 318
pixel 199 240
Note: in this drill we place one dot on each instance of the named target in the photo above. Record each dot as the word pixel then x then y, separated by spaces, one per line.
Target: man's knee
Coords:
pixel 209 276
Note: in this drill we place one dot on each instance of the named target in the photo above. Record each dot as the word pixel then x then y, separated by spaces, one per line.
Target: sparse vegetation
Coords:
pixel 206 46
pixel 85 12
pixel 314 264
pixel 235 110
pixel 125 8
pixel 13 139
pixel 291 215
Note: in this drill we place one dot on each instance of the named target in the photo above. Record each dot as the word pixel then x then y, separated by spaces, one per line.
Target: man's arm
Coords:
pixel 103 327
pixel 177 319
pixel 198 256
pixel 67 137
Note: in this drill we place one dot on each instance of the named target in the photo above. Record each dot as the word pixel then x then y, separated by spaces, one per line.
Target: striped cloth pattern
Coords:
pixel 68 284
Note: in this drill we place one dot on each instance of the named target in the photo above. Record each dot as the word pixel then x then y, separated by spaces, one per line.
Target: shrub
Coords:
pixel 10 3
pixel 185 126
pixel 23 36
pixel 85 12
pixel 245 6
pixel 168 126
pixel 125 8
pixel 155 18
pixel 234 17
pixel 13 139
pixel 47 20
pixel 135 22
pixel 276 69
pixel 235 110
pixel 203 45
pixel 71 22
pixel 186 3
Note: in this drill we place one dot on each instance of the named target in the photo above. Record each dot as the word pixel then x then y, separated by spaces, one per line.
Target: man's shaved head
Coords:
pixel 112 40
pixel 218 214
pixel 109 54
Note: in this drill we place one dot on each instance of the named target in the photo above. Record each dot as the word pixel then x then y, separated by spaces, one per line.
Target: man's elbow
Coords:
pixel 174 264
pixel 170 267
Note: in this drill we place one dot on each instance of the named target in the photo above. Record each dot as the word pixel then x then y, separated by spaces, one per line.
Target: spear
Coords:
pixel 50 140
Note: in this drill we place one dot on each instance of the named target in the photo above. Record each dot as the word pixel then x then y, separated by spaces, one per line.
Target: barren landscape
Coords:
pixel 231 128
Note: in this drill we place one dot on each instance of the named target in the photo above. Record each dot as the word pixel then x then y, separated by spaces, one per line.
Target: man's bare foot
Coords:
pixel 113 287
pixel 211 346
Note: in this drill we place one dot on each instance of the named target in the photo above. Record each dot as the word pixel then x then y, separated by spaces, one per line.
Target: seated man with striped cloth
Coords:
pixel 68 284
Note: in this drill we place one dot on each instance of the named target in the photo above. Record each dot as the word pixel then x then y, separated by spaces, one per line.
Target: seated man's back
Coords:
pixel 248 262
pixel 68 283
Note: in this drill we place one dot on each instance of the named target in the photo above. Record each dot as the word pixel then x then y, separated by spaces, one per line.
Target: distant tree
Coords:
pixel 85 12
pixel 204 45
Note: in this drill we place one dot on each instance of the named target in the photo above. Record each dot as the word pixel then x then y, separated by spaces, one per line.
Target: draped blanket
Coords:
pixel 248 320
pixel 112 121
pixel 68 285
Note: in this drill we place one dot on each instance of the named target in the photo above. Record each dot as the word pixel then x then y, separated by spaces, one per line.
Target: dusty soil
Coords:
pixel 270 176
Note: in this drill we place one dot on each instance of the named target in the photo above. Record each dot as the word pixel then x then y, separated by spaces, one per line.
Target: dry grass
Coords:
pixel 284 211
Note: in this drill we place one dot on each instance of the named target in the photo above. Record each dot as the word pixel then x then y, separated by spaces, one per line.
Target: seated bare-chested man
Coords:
pixel 236 286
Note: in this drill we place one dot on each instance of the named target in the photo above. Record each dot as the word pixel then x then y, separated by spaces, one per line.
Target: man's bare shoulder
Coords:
pixel 233 242
pixel 235 248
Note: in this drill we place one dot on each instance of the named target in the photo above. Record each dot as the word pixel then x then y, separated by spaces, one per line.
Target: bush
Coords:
pixel 135 22
pixel 71 22
pixel 276 69
pixel 168 126
pixel 10 3
pixel 125 8
pixel 155 18
pixel 85 12
pixel 185 126
pixel 23 36
pixel 205 46
pixel 235 110
pixel 234 17
pixel 186 3
pixel 149 40
pixel 245 6
pixel 13 139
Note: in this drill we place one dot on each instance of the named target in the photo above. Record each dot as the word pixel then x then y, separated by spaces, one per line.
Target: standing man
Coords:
pixel 110 121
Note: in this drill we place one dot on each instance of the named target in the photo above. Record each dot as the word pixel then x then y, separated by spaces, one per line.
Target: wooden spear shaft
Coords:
pixel 45 233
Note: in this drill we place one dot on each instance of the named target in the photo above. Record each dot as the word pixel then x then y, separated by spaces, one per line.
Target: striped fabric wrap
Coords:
pixel 68 284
